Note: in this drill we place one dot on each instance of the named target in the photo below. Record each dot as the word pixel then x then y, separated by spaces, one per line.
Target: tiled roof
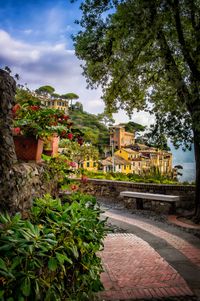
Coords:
pixel 117 160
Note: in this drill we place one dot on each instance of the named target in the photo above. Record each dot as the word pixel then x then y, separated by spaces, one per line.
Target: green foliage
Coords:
pixel 52 255
pixel 92 127
pixel 78 153
pixel 132 126
pixel 70 96
pixel 151 177
pixel 24 96
pixel 152 65
pixel 45 90
pixel 59 168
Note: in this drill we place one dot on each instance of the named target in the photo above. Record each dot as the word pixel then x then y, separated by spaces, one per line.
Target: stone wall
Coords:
pixel 30 180
pixel 110 190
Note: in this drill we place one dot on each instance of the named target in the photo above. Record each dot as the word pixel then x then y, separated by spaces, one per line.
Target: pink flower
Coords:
pixel 70 136
pixel 16 131
pixel 72 164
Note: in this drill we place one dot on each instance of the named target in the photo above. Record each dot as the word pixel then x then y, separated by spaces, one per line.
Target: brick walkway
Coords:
pixel 182 245
pixel 135 270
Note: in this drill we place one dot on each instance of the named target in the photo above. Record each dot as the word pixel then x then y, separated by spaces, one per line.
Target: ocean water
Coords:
pixel 188 172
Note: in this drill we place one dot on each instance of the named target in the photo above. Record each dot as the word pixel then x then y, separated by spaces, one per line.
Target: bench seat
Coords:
pixel 140 196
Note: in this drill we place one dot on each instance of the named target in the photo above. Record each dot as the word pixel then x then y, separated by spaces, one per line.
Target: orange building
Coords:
pixel 120 138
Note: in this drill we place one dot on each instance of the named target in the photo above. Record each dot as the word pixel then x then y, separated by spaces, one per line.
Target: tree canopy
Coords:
pixel 146 56
pixel 45 90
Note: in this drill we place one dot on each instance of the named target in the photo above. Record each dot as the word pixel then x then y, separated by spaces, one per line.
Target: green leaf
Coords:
pixel 3 265
pixel 5 247
pixel 52 264
pixel 16 262
pixel 1 293
pixel 26 287
pixel 62 258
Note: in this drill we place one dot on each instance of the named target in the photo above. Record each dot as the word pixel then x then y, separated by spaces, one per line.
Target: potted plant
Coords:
pixel 33 126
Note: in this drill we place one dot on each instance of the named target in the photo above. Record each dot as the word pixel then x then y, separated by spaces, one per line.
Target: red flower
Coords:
pixel 63 134
pixel 84 179
pixel 54 123
pixel 70 136
pixel 80 140
pixel 34 108
pixel 16 131
pixel 15 108
pixel 65 117
pixel 74 187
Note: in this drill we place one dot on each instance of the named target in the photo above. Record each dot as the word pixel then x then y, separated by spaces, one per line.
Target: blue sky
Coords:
pixel 35 42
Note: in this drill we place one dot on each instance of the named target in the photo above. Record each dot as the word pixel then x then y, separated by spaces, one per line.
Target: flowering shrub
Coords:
pixel 36 121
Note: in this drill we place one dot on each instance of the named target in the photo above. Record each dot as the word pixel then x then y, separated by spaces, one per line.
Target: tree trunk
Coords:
pixel 196 217
pixel 7 150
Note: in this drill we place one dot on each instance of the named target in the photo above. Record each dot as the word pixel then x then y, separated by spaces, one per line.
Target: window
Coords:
pixel 129 166
pixel 94 164
pixel 88 164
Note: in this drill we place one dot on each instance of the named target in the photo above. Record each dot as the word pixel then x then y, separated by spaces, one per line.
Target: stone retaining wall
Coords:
pixel 110 190
pixel 31 180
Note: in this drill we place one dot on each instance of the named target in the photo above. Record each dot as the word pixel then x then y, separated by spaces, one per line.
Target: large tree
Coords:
pixel 7 150
pixel 146 55
pixel 70 96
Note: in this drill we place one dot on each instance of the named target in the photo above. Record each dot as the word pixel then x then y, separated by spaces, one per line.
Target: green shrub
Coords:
pixel 52 255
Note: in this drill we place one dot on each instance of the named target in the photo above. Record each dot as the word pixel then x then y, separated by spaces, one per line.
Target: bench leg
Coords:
pixel 172 208
pixel 139 204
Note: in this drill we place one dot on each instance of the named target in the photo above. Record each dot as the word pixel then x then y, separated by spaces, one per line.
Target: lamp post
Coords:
pixel 113 159
pixel 111 132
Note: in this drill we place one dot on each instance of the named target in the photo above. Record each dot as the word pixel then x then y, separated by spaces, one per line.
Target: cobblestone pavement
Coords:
pixel 150 260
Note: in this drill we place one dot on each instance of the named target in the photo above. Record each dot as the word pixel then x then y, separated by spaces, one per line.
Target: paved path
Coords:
pixel 152 260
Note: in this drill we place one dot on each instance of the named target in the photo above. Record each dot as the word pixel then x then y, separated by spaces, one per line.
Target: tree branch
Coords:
pixel 172 69
pixel 181 39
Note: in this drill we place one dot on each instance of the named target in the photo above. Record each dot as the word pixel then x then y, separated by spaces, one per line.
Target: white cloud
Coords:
pixel 27 31
pixel 42 63
pixel 138 117
pixel 45 64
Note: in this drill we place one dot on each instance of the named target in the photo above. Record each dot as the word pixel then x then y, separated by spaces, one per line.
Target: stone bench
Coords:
pixel 162 198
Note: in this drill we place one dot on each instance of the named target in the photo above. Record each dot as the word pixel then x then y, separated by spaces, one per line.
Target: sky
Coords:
pixel 36 43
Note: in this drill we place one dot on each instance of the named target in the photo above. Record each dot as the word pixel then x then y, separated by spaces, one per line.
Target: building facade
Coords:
pixel 120 138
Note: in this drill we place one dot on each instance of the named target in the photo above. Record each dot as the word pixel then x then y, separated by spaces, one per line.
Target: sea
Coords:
pixel 188 172
pixel 187 160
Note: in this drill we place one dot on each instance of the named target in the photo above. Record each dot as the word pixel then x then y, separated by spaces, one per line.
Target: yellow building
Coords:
pixel 127 153
pixel 160 159
pixel 89 164
pixel 56 104
pixel 116 164
pixel 144 158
